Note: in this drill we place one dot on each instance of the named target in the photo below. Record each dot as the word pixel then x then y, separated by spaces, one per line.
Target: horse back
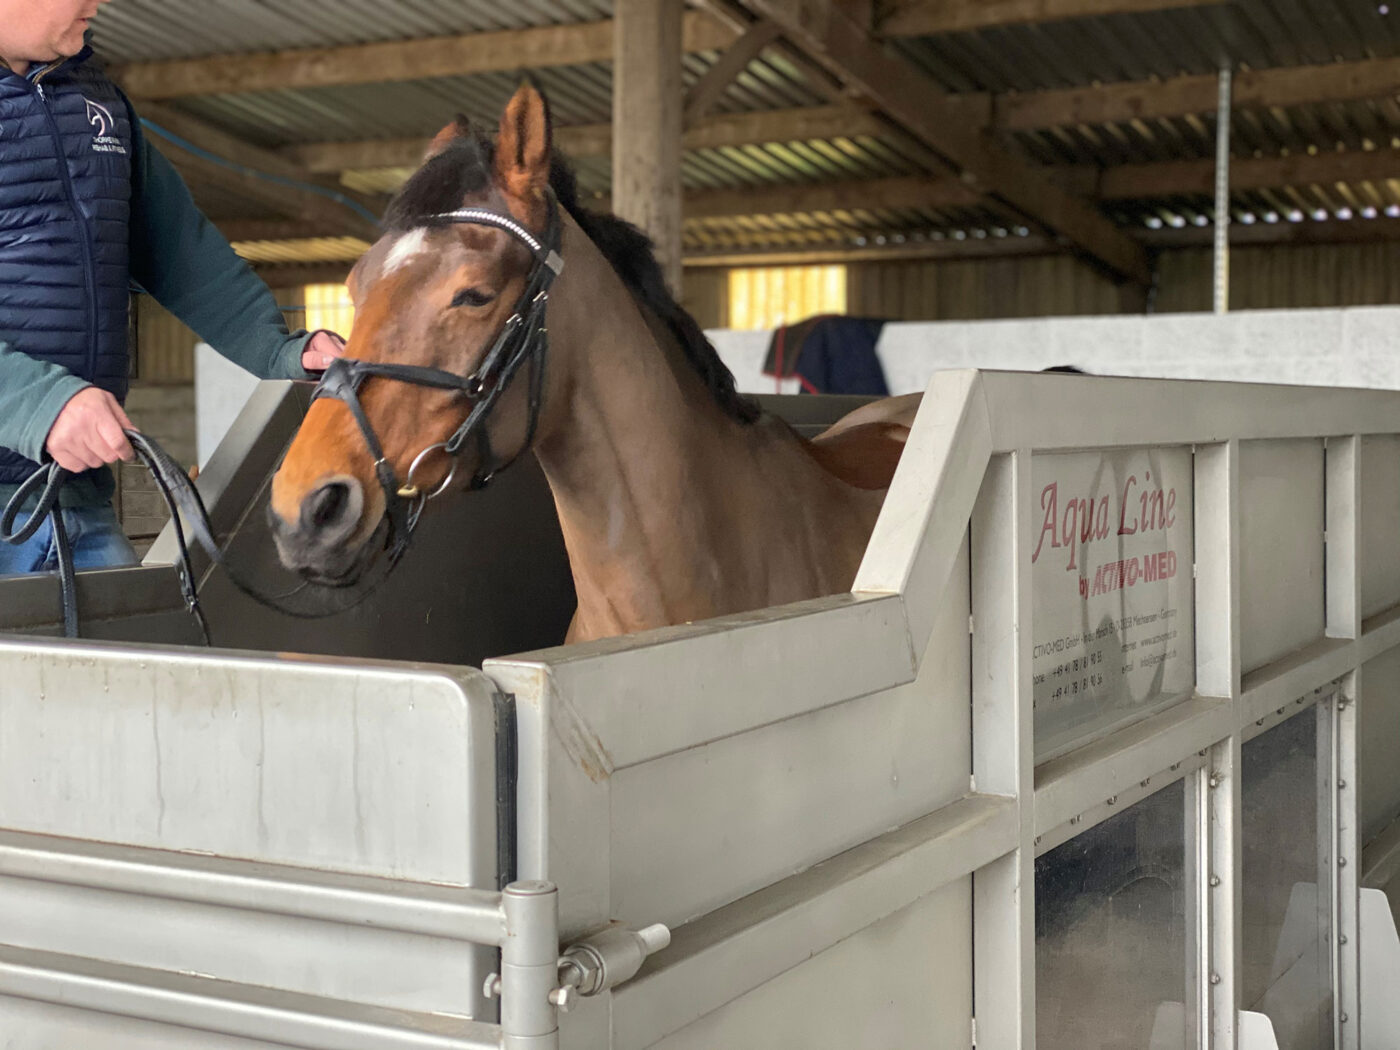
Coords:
pixel 863 447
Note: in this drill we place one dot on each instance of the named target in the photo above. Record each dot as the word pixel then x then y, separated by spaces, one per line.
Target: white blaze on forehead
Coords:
pixel 405 248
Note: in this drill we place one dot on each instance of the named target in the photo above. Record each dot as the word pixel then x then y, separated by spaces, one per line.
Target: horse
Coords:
pixel 679 500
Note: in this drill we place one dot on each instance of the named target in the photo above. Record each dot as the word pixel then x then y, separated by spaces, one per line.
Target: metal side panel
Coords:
pixel 905 981
pixel 152 772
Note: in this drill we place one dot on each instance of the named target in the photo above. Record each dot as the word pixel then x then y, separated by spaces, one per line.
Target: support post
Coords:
pixel 647 106
pixel 1222 195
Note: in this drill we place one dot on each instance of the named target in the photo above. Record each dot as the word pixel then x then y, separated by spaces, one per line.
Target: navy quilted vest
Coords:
pixel 65 197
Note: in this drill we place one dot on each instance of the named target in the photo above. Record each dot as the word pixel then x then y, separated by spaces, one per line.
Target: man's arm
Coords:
pixel 187 265
pixel 32 394
pixel 45 408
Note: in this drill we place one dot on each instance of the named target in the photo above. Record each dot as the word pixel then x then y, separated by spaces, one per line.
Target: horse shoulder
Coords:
pixel 863 447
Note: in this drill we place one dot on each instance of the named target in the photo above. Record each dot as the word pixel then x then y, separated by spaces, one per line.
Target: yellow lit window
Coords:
pixel 328 306
pixel 769 296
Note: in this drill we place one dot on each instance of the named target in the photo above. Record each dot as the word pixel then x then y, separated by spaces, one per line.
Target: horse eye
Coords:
pixel 472 297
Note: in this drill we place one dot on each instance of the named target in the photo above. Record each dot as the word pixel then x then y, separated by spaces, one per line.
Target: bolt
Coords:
pixel 1215 880
pixel 1037 841
pixel 1074 820
pixel 1144 783
pixel 1215 978
pixel 1341 862
pixel 492 987
pixel 564 997
pixel 1112 800
pixel 1341 938
pixel 1341 784
pixel 1214 781
pixel 1176 766
pixel 1344 1018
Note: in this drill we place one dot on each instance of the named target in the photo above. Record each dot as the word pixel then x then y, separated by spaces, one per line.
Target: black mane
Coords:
pixel 465 167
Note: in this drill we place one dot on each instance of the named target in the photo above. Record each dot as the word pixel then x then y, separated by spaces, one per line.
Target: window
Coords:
pixel 768 296
pixel 328 306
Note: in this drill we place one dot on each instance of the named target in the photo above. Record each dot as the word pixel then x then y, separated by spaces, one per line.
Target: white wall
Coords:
pixel 1350 347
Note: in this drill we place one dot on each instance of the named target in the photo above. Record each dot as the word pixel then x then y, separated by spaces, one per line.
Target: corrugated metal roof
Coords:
pixel 146 30
pixel 1248 34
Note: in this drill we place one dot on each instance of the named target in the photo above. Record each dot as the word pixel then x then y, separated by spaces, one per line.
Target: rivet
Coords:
pixel 1176 766
pixel 1112 799
pixel 1341 862
pixel 1214 781
pixel 1341 784
pixel 1144 783
pixel 1074 820
pixel 1341 938
pixel 1215 978
pixel 1215 880
pixel 1037 841
pixel 1344 1018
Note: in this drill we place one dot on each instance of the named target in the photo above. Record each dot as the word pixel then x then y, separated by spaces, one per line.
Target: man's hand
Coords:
pixel 321 349
pixel 88 432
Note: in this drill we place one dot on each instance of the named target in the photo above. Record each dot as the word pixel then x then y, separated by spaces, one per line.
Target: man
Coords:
pixel 86 207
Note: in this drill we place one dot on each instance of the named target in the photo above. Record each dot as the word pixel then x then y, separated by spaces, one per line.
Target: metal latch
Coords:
pixel 598 962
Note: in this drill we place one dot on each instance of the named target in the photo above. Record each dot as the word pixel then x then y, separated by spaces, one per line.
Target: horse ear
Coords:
pixel 522 151
pixel 458 129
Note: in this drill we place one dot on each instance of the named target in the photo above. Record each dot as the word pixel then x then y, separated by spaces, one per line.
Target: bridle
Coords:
pixel 522 338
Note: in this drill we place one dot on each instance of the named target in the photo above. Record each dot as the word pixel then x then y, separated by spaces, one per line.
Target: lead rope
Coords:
pixel 187 510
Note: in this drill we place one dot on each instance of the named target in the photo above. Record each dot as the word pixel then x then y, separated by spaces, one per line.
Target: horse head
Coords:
pixel 449 327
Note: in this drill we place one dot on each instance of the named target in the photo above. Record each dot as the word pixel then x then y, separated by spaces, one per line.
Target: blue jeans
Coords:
pixel 95 534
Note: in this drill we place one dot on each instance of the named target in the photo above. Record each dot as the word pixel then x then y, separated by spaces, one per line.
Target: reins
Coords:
pixel 523 338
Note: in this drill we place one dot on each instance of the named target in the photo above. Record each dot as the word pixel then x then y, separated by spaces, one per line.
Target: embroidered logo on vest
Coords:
pixel 100 117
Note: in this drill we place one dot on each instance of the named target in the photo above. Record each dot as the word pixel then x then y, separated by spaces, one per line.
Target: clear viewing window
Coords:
pixel 1286 883
pixel 763 297
pixel 1113 940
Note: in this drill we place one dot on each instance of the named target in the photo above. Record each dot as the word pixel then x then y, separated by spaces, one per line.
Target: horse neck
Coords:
pixel 643 463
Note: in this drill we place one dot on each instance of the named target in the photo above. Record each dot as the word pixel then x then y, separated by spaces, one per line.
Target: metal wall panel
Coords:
pixel 1380 524
pixel 901 982
pixel 1281 548
pixel 1378 734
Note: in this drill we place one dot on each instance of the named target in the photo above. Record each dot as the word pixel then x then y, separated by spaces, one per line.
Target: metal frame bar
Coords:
pixel 522 921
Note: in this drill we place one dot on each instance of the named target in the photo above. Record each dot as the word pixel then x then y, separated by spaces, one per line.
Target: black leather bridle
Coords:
pixel 522 338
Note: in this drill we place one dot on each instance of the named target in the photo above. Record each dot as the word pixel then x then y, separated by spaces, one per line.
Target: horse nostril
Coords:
pixel 327 505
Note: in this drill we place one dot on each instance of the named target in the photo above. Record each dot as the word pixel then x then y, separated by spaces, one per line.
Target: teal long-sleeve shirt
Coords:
pixel 185 264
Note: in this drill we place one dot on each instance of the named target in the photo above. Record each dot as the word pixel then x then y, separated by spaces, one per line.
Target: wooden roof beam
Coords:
pixel 1169 178
pixel 856 195
pixel 595 140
pixel 293 191
pixel 1188 95
pixel 930 17
pixel 448 56
pixel 913 100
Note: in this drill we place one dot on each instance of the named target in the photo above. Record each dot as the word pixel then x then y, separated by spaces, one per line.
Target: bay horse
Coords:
pixel 678 499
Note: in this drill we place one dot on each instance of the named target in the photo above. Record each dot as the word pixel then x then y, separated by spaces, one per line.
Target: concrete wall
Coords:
pixel 1337 347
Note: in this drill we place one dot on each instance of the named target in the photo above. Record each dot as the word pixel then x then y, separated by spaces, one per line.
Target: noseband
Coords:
pixel 522 338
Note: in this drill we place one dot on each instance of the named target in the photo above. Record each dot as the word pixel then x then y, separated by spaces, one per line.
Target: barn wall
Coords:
pixel 1262 278
pixel 967 289
pixel 165 347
